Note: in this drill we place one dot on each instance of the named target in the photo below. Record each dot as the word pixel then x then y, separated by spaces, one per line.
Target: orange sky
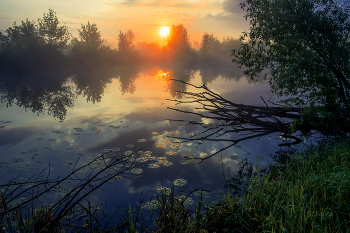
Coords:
pixel 143 17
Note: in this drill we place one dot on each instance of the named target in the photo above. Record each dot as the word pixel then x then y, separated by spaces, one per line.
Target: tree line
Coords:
pixel 48 44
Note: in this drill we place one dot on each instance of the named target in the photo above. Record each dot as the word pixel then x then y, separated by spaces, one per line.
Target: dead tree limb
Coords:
pixel 248 121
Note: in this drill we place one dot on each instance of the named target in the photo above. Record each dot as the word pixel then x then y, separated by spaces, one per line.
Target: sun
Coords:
pixel 164 31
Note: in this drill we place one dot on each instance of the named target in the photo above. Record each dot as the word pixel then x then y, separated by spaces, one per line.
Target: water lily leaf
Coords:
pixel 130 145
pixel 153 165
pixel 40 139
pixel 150 205
pixel 21 167
pixel 76 133
pixel 80 154
pixel 136 171
pixel 6 122
pixel 87 134
pixel 68 162
pixel 167 164
pixel 125 126
pixel 234 157
pixel 129 152
pixel 61 154
pixel 117 177
pixel 10 145
pixel 78 129
pixel 70 148
pixel 1 126
pixel 147 152
pixel 180 182
pixel 143 159
pixel 57 132
pixel 93 129
pixel 237 146
pixel 185 161
pixel 52 139
pixel 171 152
pixel 154 133
pixel 164 190
pixel 18 160
pixel 141 140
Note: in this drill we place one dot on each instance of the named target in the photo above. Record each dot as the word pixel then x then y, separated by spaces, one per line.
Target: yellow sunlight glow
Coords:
pixel 164 31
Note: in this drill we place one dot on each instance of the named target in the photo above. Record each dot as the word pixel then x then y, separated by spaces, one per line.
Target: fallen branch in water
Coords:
pixel 247 120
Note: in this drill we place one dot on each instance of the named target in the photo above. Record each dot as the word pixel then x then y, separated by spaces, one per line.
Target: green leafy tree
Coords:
pixel 304 47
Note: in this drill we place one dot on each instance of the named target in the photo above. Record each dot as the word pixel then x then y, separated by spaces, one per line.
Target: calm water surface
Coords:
pixel 54 120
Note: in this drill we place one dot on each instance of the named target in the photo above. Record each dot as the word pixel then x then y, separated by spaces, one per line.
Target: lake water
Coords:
pixel 58 119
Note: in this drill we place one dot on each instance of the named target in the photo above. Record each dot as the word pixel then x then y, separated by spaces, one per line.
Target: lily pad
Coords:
pixel 237 146
pixel 61 154
pixel 78 129
pixel 93 129
pixel 87 134
pixel 76 133
pixel 52 139
pixel 70 148
pixel 180 182
pixel 130 145
pixel 129 152
pixel 153 165
pixel 1 126
pixel 57 132
pixel 80 154
pixel 143 159
pixel 40 139
pixel 167 164
pixel 171 152
pixel 185 161
pixel 18 160
pixel 136 171
pixel 150 205
pixel 141 140
pixel 21 167
pixel 125 126
pixel 6 122
pixel 234 157
pixel 164 190
pixel 68 162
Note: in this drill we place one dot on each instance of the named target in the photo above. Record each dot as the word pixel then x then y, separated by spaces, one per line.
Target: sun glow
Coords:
pixel 164 31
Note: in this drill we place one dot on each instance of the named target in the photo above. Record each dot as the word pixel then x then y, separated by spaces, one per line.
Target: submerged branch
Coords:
pixel 248 121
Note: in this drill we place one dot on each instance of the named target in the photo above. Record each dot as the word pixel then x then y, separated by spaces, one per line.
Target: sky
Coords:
pixel 143 17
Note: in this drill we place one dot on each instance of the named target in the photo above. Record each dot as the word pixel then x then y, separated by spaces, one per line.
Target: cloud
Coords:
pixel 164 3
pixel 131 3
pixel 219 16
pixel 232 6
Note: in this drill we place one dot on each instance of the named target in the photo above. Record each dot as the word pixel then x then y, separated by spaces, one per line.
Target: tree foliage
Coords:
pixel 30 44
pixel 178 45
pixel 304 46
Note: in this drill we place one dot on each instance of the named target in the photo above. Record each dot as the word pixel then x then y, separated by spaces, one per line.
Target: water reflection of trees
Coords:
pixel 127 77
pixel 91 83
pixel 38 94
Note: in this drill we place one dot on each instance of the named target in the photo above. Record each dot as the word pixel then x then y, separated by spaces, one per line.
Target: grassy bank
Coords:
pixel 308 193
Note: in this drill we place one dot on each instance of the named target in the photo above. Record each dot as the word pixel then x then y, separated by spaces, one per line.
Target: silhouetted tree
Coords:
pixel 304 44
pixel 88 50
pixel 30 45
pixel 178 44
